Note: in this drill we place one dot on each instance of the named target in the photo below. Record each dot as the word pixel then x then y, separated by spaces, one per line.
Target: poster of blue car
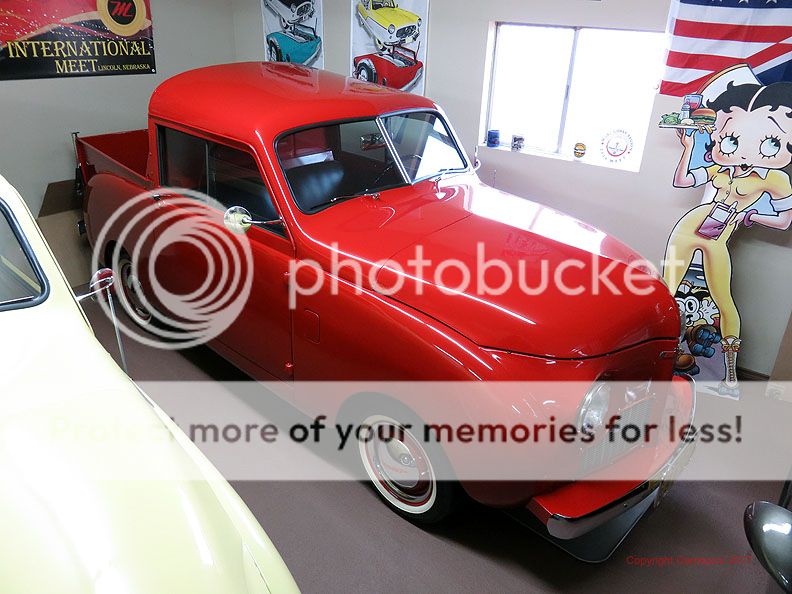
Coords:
pixel 293 31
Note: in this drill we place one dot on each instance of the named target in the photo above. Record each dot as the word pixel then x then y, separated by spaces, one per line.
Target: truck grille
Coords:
pixel 603 451
pixel 406 32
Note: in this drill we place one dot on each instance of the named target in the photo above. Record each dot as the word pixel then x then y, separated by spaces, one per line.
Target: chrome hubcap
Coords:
pixel 132 293
pixel 400 464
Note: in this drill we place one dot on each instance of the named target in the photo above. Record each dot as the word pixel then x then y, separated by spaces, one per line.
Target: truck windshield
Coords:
pixel 327 164
pixel 20 284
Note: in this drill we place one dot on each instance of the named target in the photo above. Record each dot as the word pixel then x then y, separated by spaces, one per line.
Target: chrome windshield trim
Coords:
pixel 392 150
pixel 452 134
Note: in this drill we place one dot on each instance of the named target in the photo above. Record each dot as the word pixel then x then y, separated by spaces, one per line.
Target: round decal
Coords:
pixel 122 17
pixel 580 150
pixel 616 146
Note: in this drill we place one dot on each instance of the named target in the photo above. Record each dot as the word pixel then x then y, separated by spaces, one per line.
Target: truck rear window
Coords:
pixel 20 282
pixel 183 160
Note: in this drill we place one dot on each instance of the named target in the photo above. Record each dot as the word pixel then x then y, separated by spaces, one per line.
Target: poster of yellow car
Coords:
pixel 388 45
pixel 388 23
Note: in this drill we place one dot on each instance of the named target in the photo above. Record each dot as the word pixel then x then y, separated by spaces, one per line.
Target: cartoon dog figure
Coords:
pixel 701 319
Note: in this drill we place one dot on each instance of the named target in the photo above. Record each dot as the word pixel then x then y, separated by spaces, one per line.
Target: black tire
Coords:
pixel 365 73
pixel 275 54
pixel 429 500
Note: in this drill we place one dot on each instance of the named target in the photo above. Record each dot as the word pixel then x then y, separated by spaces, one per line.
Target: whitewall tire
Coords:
pixel 403 472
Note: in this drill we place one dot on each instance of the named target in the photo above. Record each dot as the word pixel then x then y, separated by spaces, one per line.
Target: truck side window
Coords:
pixel 183 160
pixel 234 180
pixel 228 175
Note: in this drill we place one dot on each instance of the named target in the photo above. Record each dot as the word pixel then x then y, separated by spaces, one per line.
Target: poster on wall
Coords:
pixel 734 129
pixel 737 144
pixel 389 42
pixel 67 38
pixel 293 31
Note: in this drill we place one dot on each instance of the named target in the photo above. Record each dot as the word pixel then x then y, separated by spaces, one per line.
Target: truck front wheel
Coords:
pixel 411 477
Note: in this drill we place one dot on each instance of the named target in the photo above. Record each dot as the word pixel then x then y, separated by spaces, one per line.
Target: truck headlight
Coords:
pixel 419 21
pixel 392 29
pixel 594 409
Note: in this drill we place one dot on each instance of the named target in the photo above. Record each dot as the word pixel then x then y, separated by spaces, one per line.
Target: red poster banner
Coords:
pixel 65 38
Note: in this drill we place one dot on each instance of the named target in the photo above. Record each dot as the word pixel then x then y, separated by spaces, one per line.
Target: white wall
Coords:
pixel 639 208
pixel 38 116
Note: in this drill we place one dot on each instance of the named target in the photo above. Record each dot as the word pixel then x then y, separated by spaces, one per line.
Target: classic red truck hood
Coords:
pixel 522 235
pixel 448 221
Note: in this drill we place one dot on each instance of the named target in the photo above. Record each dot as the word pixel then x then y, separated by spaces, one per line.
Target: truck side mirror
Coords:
pixel 237 219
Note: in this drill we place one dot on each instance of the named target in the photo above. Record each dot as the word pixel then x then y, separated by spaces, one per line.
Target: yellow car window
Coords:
pixel 20 283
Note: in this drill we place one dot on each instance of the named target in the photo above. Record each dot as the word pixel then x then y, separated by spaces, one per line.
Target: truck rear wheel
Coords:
pixel 131 293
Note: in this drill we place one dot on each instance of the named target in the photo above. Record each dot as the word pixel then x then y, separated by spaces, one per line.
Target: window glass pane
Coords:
pixel 184 160
pixel 352 144
pixel 18 280
pixel 234 180
pixel 615 80
pixel 336 161
pixel 529 83
pixel 424 144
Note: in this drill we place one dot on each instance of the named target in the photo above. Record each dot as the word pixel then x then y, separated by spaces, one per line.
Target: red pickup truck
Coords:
pixel 309 166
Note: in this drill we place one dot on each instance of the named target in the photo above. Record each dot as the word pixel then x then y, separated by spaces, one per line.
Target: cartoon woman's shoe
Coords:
pixel 728 391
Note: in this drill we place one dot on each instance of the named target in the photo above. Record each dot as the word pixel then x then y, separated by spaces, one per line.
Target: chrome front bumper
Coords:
pixel 595 536
pixel 654 489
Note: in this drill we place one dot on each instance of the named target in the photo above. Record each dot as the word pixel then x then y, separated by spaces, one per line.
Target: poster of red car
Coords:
pixel 67 38
pixel 389 42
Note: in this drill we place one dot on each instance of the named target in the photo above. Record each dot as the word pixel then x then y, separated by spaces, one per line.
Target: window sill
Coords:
pixel 505 148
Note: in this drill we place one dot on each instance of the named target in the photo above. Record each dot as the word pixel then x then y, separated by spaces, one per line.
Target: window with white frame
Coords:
pixel 574 92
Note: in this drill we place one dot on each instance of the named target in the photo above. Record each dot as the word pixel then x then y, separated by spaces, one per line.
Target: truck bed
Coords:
pixel 124 154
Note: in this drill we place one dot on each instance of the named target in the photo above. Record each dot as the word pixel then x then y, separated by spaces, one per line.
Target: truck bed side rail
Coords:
pixel 124 154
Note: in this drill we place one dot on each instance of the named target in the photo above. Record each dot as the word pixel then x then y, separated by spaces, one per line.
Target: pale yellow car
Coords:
pixel 388 24
pixel 101 492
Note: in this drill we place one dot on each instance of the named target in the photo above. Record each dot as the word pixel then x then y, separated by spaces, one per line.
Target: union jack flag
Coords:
pixel 712 35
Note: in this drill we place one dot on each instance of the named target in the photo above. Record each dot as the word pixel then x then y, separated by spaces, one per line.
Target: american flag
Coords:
pixel 712 35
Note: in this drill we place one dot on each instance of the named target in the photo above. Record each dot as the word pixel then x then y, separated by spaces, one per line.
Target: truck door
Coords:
pixel 258 338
